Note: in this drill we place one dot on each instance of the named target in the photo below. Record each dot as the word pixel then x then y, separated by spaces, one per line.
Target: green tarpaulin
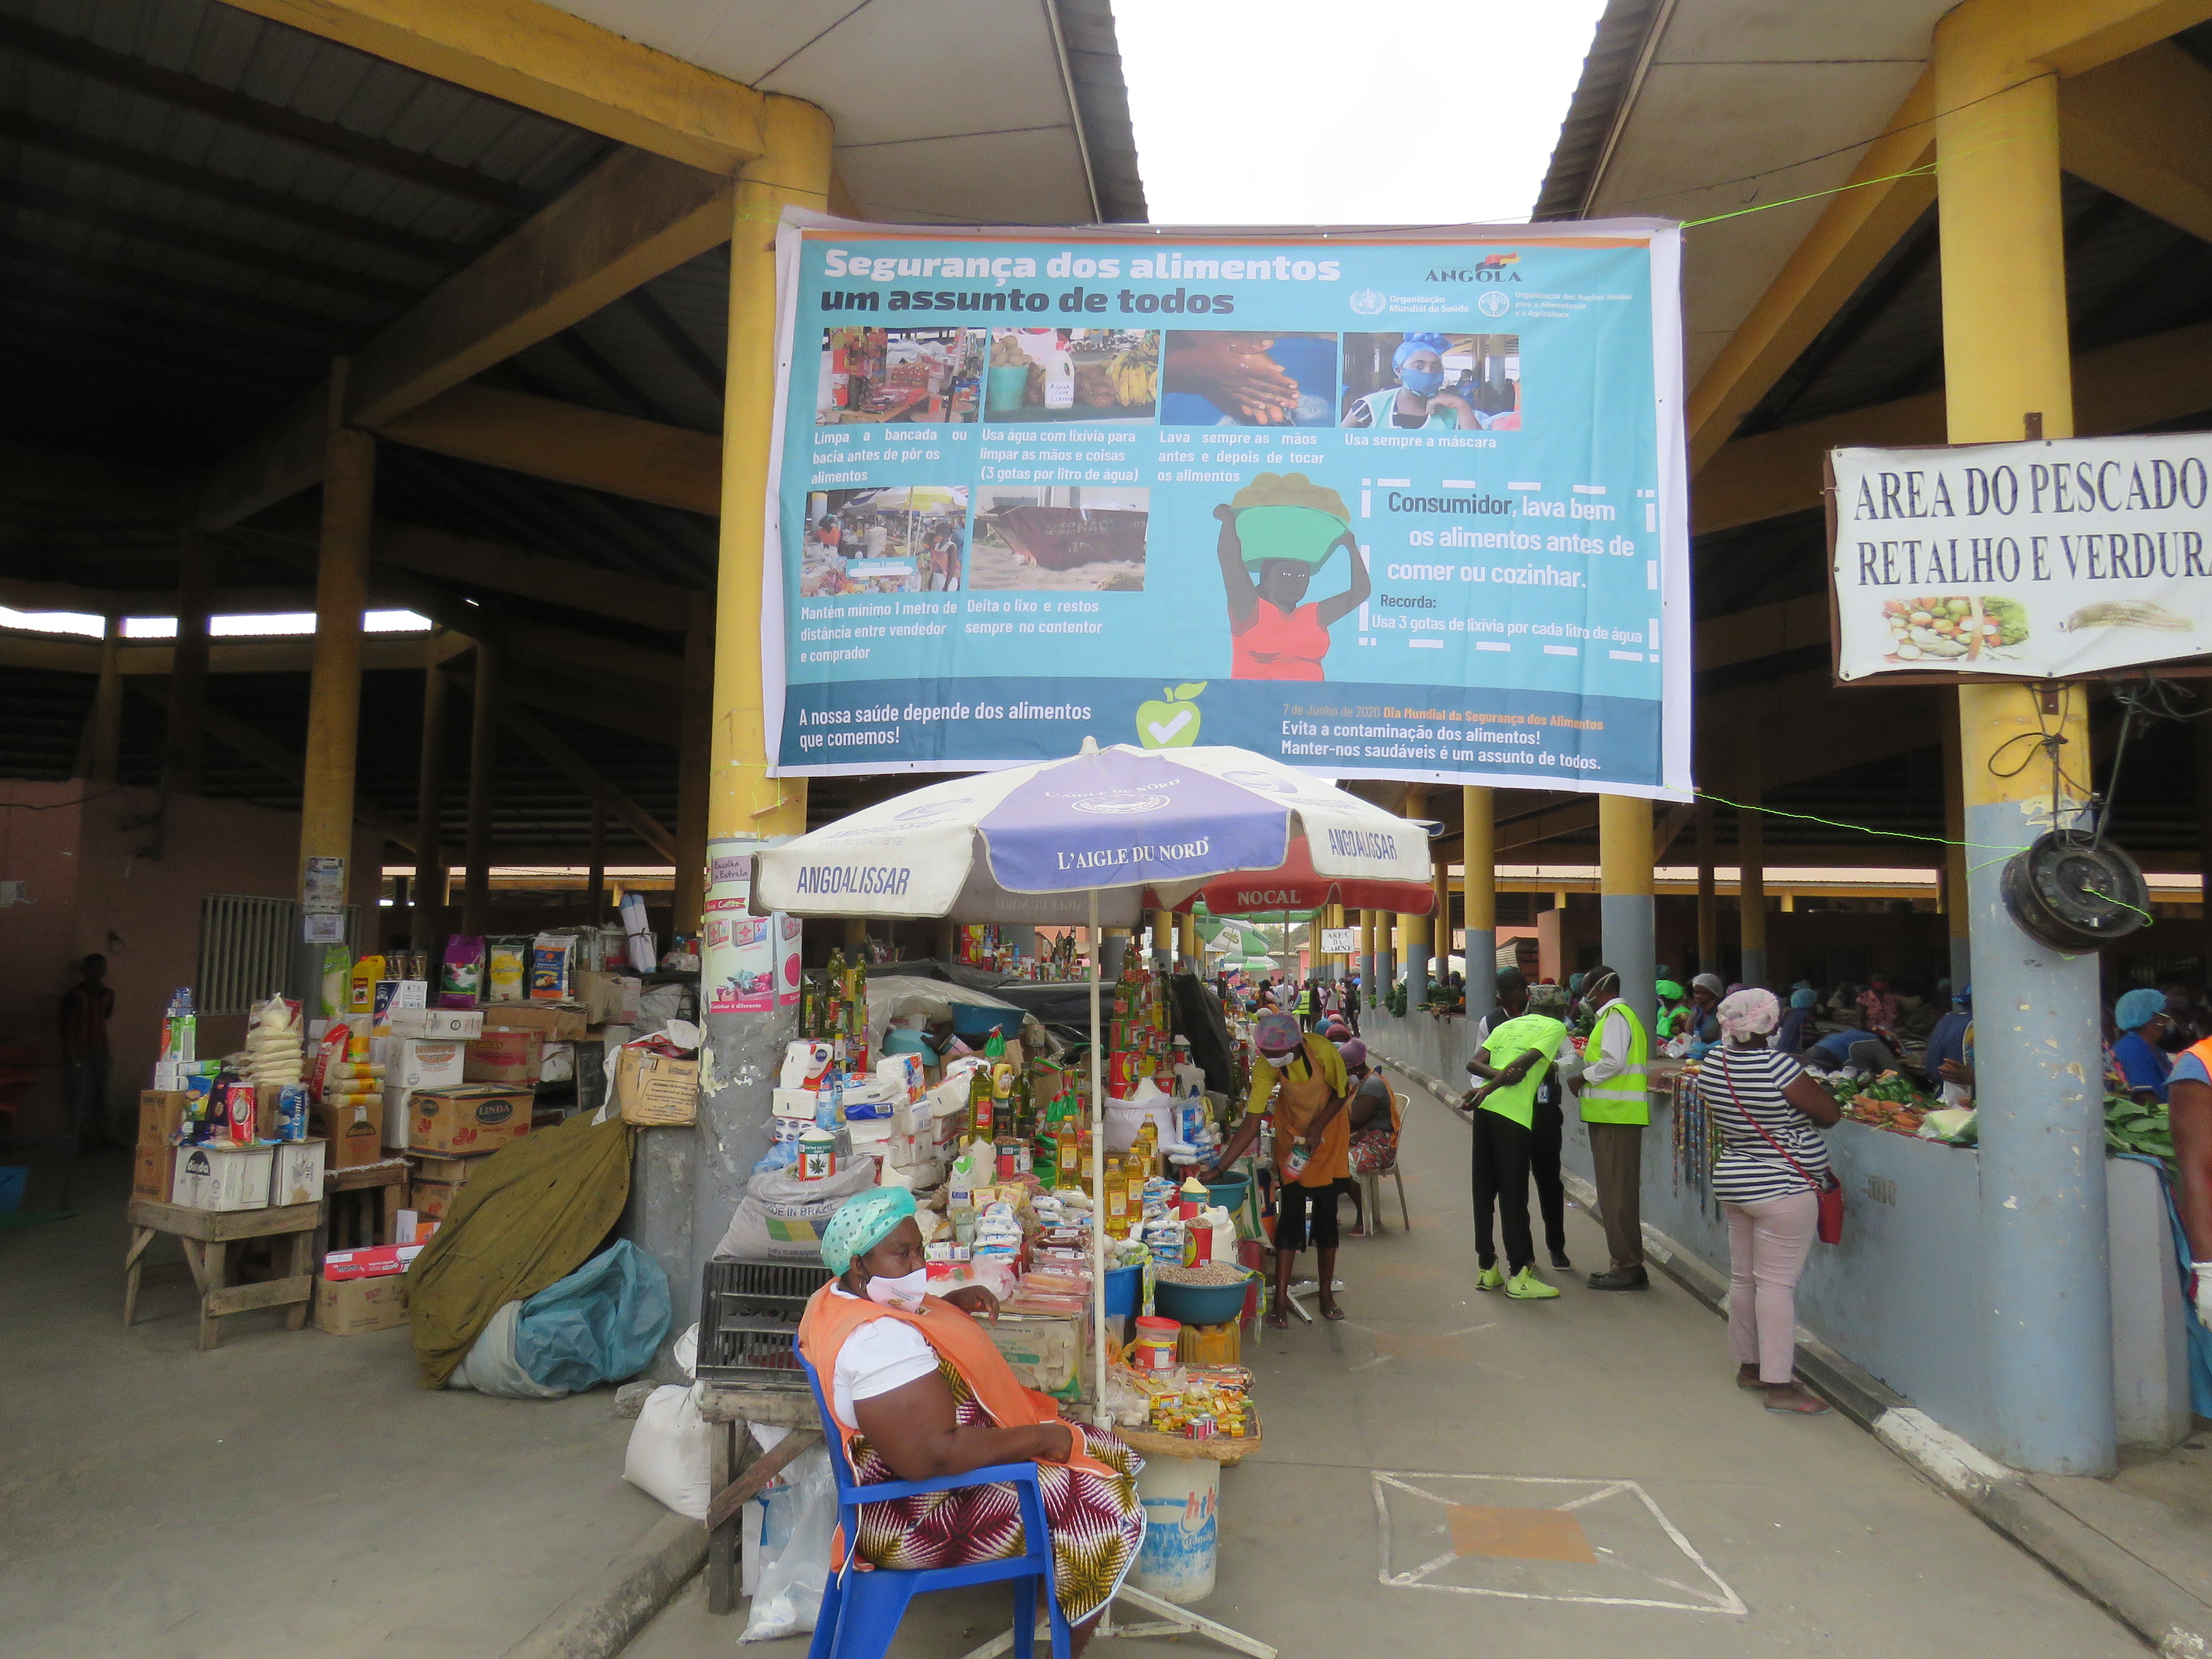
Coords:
pixel 533 1214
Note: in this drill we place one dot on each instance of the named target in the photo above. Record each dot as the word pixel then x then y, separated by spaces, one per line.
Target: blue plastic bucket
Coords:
pixel 1123 1285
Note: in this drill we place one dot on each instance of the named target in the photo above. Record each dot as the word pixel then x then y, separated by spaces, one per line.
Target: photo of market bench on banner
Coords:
pixel 1378 504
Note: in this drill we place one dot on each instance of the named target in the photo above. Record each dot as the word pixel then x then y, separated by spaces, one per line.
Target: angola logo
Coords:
pixel 1369 301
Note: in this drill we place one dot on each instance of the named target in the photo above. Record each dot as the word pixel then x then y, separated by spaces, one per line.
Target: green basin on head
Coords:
pixel 1302 533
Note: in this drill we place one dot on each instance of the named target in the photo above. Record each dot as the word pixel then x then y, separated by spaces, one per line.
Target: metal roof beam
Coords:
pixel 224 187
pixel 546 60
pixel 632 217
pixel 2141 128
pixel 161 285
pixel 172 85
pixel 538 575
pixel 2117 388
pixel 617 454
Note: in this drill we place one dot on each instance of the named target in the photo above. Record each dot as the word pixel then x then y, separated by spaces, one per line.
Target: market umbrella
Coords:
pixel 1098 838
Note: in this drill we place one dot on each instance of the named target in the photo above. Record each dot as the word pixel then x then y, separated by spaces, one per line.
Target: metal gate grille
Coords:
pixel 246 947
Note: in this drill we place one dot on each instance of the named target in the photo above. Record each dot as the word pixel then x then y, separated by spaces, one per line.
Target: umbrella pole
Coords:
pixel 1099 1414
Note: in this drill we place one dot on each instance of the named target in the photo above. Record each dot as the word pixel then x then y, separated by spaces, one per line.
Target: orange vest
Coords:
pixel 830 1318
pixel 2203 1053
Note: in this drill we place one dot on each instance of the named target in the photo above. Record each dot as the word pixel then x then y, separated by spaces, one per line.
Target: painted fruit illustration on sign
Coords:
pixel 1953 630
pixel 1169 721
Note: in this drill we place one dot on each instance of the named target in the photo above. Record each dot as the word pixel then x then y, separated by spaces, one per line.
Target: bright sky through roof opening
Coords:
pixel 1388 111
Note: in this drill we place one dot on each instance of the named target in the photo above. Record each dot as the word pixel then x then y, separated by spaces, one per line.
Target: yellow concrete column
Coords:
pixel 1193 957
pixel 1164 938
pixel 744 801
pixel 341 595
pixel 1709 920
pixel 1624 886
pixel 1413 930
pixel 1751 859
pixel 2044 1263
pixel 1954 887
pixel 483 787
pixel 1479 889
pixel 694 720
pixel 430 885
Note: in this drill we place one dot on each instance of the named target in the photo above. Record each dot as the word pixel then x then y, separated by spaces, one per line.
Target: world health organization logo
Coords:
pixel 1369 301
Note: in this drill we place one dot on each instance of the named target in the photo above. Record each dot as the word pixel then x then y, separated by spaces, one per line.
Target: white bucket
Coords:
pixel 1181 1495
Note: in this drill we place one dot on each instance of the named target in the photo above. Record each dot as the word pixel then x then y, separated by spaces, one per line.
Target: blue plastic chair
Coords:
pixel 861 1609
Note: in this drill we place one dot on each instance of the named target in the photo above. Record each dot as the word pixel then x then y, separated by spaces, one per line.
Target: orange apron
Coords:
pixel 1298 1101
pixel 830 1318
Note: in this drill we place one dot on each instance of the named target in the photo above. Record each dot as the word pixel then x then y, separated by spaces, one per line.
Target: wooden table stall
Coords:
pixel 740 1469
pixel 207 1236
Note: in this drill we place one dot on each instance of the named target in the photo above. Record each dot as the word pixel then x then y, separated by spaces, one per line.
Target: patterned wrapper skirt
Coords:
pixel 1373 1151
pixel 1096 1521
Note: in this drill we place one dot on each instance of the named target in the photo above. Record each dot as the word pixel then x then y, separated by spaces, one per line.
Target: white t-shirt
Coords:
pixel 877 1357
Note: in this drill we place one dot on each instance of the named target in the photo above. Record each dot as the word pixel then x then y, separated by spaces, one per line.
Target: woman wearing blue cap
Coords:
pixel 1420 398
pixel 2142 1019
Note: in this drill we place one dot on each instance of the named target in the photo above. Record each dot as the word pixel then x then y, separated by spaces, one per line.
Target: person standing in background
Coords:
pixel 1616 1105
pixel 86 1008
pixel 1547 1126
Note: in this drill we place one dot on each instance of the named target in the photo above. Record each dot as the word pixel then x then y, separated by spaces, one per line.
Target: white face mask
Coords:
pixel 905 1293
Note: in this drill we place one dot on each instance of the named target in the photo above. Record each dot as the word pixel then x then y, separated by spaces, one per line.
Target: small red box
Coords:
pixel 371 1262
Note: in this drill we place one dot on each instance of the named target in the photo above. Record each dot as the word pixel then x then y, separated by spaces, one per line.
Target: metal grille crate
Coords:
pixel 749 1314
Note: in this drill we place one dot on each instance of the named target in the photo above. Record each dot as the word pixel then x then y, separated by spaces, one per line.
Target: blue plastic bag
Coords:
pixel 600 1324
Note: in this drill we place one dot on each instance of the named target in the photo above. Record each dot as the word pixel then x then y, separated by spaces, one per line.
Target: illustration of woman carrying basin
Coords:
pixel 1276 534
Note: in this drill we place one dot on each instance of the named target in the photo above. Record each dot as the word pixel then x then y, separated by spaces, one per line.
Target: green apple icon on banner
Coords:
pixel 1171 721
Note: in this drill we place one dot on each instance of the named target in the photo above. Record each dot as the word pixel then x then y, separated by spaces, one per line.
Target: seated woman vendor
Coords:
pixel 1276 534
pixel 919 1392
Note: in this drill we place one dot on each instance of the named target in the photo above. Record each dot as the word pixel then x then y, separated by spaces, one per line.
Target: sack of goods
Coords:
pixel 272 1043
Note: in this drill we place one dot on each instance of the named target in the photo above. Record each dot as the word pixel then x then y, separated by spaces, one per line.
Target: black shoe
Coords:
pixel 1559 1261
pixel 1620 1279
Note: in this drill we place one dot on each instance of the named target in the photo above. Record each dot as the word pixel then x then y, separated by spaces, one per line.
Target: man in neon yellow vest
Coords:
pixel 1616 1106
pixel 1517 1057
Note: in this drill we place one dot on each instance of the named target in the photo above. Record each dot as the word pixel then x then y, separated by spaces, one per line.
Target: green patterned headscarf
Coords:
pixel 861 1223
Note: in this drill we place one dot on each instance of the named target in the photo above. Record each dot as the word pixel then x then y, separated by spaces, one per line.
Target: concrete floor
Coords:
pixel 1828 1543
pixel 289 1492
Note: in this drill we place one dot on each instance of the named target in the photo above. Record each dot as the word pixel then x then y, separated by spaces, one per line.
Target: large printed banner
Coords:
pixel 2040 559
pixel 1386 504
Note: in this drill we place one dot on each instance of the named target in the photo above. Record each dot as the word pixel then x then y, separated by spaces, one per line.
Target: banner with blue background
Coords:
pixel 1403 504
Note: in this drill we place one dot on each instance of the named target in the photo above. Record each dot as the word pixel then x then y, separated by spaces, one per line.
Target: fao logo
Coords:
pixel 1494 304
pixel 1369 301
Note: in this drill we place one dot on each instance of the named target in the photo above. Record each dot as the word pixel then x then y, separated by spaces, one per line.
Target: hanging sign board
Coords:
pixel 2039 560
pixel 1339 941
pixel 1377 504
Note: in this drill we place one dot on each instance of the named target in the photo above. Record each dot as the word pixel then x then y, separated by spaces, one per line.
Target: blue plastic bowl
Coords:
pixel 1228 1194
pixel 1199 1304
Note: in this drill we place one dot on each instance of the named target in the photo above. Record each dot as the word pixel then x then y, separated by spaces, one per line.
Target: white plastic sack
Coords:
pixel 684 1351
pixel 490 1366
pixel 670 1448
pixel 801 1513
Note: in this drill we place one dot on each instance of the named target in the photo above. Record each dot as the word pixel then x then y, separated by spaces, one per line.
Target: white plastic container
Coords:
pixel 1181 1495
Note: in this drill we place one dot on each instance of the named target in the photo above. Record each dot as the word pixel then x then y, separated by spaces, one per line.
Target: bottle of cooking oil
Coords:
pixel 1117 1200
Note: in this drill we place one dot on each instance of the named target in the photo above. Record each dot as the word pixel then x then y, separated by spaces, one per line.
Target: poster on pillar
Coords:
pixel 749 964
pixel 2039 560
pixel 1402 504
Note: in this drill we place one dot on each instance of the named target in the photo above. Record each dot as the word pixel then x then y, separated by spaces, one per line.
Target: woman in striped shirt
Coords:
pixel 1770 1112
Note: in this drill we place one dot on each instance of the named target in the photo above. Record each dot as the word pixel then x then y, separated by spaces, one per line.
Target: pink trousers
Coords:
pixel 1768 1242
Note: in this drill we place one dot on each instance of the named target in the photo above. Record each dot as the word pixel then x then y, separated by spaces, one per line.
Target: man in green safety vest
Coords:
pixel 1516 1057
pixel 1616 1105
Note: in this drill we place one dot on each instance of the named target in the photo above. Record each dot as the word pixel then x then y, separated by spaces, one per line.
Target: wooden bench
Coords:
pixel 207 1236
pixel 740 1469
pixel 365 1202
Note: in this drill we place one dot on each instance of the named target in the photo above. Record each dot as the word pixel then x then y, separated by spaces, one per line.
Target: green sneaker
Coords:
pixel 1526 1287
pixel 1489 1278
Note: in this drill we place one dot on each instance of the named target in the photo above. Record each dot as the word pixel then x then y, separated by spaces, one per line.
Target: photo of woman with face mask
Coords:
pixel 1440 382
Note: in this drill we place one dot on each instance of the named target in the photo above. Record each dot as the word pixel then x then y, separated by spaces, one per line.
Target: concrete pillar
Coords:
pixel 1955 882
pixel 1440 924
pixel 1624 921
pixel 1478 880
pixel 1413 930
pixel 483 785
pixel 1709 920
pixel 101 751
pixel 184 748
pixel 1162 940
pixel 341 595
pixel 2202 729
pixel 2045 1267
pixel 1751 857
pixel 694 722
pixel 430 878
pixel 1366 953
pixel 689 1181
pixel 1113 952
pixel 1188 948
pixel 1387 923
pixel 595 882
